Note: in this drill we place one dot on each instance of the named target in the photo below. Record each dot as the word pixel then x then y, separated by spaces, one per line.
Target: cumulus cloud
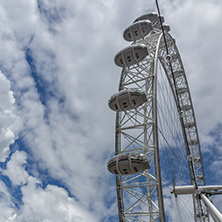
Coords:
pixel 6 209
pixel 65 143
pixel 10 121
pixel 16 168
pixel 50 204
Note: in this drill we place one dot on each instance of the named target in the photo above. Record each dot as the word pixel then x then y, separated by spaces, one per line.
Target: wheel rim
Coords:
pixel 140 196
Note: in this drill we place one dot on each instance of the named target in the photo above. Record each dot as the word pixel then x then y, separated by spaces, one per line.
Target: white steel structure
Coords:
pixel 140 196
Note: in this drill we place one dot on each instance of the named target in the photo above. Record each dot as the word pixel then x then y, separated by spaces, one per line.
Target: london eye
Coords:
pixel 158 162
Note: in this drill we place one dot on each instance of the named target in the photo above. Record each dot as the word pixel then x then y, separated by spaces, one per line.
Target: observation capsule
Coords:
pixel 127 99
pixel 131 55
pixel 153 17
pixel 128 163
pixel 137 30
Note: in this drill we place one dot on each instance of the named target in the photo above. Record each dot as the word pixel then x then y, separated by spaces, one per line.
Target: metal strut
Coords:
pixel 203 192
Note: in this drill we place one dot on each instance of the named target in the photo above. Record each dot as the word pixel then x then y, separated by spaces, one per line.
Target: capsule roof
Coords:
pixel 131 55
pixel 128 163
pixel 127 99
pixel 153 17
pixel 137 30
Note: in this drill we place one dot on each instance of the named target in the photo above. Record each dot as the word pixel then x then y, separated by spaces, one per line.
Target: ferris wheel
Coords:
pixel 157 163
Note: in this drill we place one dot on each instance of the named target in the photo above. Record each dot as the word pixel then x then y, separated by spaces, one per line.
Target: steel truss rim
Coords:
pixel 159 49
pixel 194 145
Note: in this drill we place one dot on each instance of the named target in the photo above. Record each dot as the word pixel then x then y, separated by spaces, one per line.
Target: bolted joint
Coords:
pixel 168 59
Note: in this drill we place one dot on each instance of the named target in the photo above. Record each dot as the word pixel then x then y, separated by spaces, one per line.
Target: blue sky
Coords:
pixel 56 75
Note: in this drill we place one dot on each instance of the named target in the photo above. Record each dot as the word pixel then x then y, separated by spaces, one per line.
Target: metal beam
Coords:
pixel 191 189
pixel 214 212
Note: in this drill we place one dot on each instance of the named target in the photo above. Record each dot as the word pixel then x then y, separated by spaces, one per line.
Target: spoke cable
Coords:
pixel 169 123
pixel 177 100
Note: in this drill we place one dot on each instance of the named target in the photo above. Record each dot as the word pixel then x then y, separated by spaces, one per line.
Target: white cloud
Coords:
pixel 6 209
pixel 50 204
pixel 10 121
pixel 21 16
pixel 60 145
pixel 16 168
